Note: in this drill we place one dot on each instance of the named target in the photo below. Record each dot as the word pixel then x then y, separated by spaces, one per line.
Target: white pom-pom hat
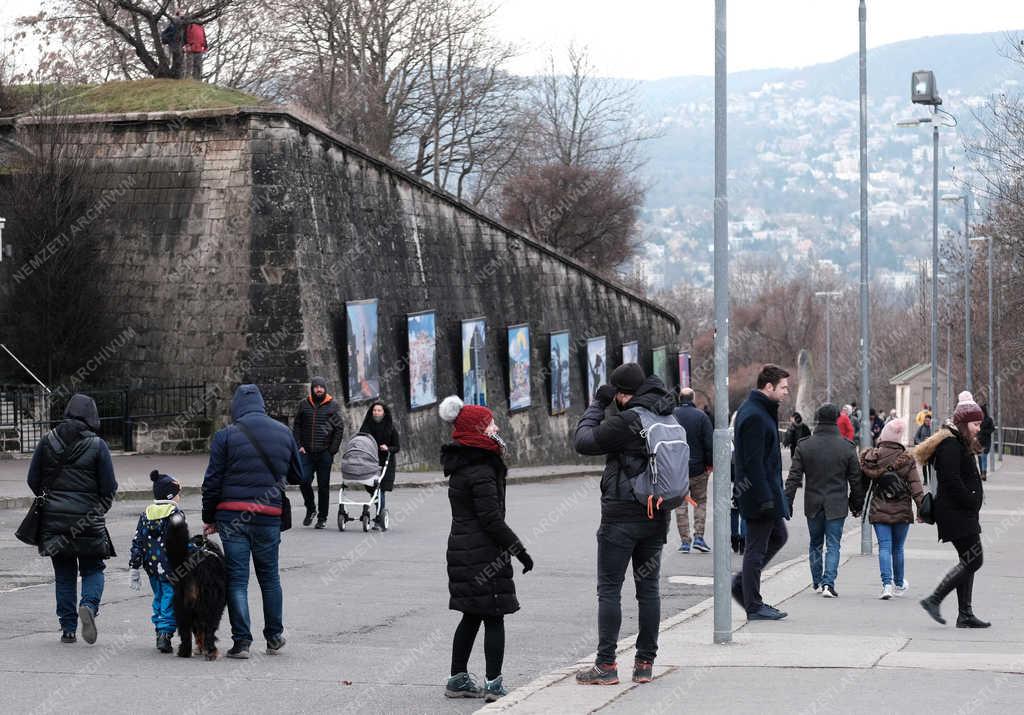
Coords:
pixel 450 408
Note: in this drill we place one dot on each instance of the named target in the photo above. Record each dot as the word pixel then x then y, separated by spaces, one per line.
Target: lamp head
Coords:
pixel 923 89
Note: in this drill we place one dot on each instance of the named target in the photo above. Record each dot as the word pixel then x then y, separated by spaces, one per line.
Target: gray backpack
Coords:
pixel 665 482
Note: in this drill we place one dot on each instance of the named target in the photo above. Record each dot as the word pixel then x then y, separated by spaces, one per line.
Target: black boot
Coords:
pixel 310 513
pixel 163 642
pixel 966 617
pixel 946 585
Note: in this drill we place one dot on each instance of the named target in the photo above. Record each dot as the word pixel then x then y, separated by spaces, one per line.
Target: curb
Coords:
pixel 24 502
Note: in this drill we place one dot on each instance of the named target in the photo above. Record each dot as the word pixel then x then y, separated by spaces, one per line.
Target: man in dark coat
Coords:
pixel 243 500
pixel 758 487
pixel 796 432
pixel 924 431
pixel 626 533
pixel 988 427
pixel 72 466
pixel 699 435
pixel 318 430
pixel 832 470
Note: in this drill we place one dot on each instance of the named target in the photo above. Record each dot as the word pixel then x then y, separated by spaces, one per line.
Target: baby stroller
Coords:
pixel 361 468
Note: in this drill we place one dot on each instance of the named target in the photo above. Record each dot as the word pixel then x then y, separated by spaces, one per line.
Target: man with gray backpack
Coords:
pixel 646 476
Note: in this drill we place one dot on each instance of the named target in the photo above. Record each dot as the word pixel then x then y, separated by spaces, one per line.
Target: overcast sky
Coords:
pixel 651 39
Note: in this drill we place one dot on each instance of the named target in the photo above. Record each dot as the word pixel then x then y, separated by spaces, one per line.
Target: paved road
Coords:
pixel 370 610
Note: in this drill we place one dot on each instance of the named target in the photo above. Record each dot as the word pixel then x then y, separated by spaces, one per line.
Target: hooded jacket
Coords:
pixel 828 464
pixel 236 479
pixel 149 545
pixel 72 465
pixel 874 463
pixel 960 495
pixel 317 426
pixel 758 459
pixel 384 432
pixel 480 543
pixel 618 437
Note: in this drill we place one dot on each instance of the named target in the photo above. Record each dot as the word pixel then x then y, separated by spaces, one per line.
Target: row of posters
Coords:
pixel 364 368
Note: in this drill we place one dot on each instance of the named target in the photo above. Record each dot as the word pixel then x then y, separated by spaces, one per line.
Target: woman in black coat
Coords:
pixel 72 467
pixel 951 451
pixel 378 424
pixel 480 546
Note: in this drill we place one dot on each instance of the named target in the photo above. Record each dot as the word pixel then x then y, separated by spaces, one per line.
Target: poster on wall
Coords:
pixel 518 367
pixel 363 358
pixel 631 352
pixel 474 362
pixel 597 365
pixel 684 370
pixel 560 395
pixel 659 363
pixel 422 358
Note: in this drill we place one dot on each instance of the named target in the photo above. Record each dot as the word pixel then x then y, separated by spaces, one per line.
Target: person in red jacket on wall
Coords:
pixel 195 49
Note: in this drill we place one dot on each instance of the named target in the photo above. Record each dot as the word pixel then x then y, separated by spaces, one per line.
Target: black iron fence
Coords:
pixel 29 412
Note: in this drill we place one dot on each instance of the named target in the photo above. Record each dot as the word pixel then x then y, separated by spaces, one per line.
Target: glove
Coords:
pixel 738 544
pixel 791 500
pixel 526 561
pixel 605 395
pixel 767 508
pixel 135 582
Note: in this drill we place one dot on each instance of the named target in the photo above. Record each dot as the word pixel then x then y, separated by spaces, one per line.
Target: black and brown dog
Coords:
pixel 200 580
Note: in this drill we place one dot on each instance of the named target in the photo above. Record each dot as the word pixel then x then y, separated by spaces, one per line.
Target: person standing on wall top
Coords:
pixel 627 533
pixel 699 435
pixel 318 430
pixel 762 503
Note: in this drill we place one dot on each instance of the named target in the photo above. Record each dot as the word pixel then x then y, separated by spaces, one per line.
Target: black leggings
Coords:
pixel 494 643
pixel 970 553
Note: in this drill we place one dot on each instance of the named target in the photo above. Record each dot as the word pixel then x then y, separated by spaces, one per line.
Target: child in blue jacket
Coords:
pixel 149 552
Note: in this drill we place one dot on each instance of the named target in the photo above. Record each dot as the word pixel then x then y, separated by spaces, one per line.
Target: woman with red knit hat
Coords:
pixel 951 451
pixel 480 546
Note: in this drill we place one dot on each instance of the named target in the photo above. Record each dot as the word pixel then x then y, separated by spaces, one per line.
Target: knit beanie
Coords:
pixel 967 410
pixel 164 485
pixel 827 414
pixel 467 420
pixel 893 431
pixel 627 378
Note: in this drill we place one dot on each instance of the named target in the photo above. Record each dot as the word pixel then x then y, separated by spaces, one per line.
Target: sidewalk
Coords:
pixel 133 470
pixel 851 654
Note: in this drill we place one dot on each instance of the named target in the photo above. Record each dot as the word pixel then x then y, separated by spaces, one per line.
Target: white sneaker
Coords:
pixel 902 589
pixel 817 589
pixel 886 592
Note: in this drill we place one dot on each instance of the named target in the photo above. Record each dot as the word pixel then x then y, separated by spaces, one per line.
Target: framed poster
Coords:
pixel 631 352
pixel 474 361
pixel 518 367
pixel 684 370
pixel 559 366
pixel 597 365
pixel 659 363
pixel 422 329
pixel 363 356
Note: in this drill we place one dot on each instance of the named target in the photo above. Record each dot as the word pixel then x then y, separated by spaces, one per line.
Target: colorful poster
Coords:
pixel 422 329
pixel 560 395
pixel 631 352
pixel 519 367
pixel 597 365
pixel 474 362
pixel 659 364
pixel 684 370
pixel 363 358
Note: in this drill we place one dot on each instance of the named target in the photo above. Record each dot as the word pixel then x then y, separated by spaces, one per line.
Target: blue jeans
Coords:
pixel 617 545
pixel 983 461
pixel 318 464
pixel 891 538
pixel 241 540
pixel 65 573
pixel 163 604
pixel 827 532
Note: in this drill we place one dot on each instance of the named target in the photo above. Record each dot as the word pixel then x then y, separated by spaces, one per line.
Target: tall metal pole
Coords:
pixel 828 349
pixel 968 307
pixel 722 450
pixel 865 331
pixel 935 271
pixel 991 387
pixel 947 411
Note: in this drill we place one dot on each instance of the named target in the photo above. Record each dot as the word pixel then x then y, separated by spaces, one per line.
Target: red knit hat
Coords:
pixel 967 410
pixel 468 422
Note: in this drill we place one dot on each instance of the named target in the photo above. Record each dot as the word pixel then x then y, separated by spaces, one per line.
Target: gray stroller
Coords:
pixel 361 468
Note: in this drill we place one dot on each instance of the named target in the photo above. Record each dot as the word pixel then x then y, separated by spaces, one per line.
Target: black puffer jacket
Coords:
pixel 318 426
pixel 385 433
pixel 960 493
pixel 619 438
pixel 480 543
pixel 72 466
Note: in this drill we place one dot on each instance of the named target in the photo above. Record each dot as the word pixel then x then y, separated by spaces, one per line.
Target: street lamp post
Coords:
pixel 991 380
pixel 968 308
pixel 828 339
pixel 865 334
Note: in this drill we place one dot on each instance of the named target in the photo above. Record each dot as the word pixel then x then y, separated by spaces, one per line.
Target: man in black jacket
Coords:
pixel 318 430
pixel 758 487
pixel 833 486
pixel 626 533
pixel 699 435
